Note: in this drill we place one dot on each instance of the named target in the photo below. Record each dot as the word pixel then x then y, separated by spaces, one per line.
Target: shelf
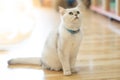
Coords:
pixel 107 8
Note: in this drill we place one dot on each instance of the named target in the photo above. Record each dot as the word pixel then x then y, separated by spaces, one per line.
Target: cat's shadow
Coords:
pixel 38 68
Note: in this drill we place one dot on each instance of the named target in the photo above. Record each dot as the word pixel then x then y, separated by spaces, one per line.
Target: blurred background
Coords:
pixel 25 24
pixel 19 18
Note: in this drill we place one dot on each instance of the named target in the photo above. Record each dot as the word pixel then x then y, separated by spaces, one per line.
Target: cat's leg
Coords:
pixel 64 59
pixel 72 63
pixel 73 58
pixel 45 66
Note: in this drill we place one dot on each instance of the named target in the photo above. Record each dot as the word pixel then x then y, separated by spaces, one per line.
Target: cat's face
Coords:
pixel 71 17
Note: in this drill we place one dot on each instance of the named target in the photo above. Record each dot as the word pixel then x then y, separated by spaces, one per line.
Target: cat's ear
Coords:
pixel 79 6
pixel 61 10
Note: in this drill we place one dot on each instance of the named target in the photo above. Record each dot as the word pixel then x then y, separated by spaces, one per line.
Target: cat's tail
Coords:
pixel 25 61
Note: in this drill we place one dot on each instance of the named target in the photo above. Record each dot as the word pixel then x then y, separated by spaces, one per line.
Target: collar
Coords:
pixel 72 31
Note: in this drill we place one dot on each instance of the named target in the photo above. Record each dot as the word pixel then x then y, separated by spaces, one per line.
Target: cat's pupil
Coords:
pixel 78 12
pixel 70 13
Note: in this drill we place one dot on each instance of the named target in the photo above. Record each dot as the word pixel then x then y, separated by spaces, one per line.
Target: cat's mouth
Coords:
pixel 76 18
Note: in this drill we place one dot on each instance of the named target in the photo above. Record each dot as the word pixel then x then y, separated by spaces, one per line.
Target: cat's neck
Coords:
pixel 70 29
pixel 70 26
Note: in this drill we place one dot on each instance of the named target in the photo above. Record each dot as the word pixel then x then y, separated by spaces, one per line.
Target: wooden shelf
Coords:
pixel 105 8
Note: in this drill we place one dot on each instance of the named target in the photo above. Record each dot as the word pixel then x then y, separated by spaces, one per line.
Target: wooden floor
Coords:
pixel 98 58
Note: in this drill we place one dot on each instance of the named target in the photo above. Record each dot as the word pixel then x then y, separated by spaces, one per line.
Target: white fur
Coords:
pixel 61 48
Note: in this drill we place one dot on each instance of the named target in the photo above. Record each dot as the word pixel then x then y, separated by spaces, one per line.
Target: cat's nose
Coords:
pixel 75 14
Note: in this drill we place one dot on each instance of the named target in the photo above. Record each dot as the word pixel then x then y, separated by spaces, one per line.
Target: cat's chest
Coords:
pixel 72 40
pixel 68 39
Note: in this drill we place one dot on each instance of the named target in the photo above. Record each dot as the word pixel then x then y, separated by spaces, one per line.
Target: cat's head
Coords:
pixel 71 17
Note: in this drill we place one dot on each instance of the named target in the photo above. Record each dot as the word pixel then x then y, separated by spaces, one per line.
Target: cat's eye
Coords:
pixel 70 13
pixel 78 12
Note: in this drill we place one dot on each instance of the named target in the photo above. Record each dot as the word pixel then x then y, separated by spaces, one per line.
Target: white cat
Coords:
pixel 62 45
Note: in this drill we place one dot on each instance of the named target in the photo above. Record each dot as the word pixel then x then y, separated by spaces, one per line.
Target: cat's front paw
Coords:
pixel 67 73
pixel 74 70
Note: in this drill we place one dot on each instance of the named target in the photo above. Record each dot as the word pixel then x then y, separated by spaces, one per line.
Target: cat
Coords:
pixel 62 46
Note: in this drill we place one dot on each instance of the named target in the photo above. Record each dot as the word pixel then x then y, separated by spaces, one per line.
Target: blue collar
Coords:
pixel 73 31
